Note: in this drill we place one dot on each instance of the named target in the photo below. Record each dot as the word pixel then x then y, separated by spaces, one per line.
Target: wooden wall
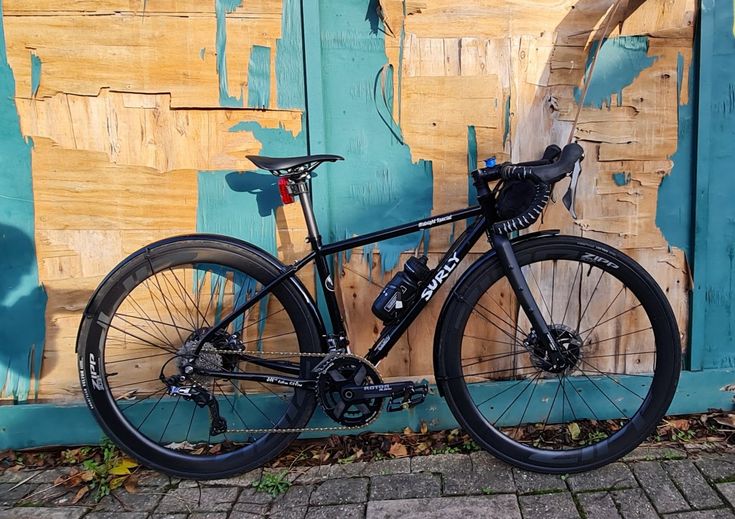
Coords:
pixel 128 101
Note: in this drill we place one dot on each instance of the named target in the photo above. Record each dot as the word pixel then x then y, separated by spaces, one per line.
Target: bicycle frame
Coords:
pixel 486 215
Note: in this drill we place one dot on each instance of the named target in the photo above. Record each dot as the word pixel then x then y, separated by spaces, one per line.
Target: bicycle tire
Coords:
pixel 208 252
pixel 515 444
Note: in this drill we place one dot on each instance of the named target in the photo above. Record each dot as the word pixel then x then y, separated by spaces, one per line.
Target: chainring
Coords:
pixel 348 370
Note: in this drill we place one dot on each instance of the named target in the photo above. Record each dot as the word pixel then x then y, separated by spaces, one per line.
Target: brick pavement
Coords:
pixel 650 483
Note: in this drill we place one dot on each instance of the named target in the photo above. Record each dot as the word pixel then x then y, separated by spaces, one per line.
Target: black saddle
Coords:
pixel 287 166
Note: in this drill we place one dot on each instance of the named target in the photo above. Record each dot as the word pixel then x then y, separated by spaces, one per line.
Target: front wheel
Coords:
pixel 141 330
pixel 619 340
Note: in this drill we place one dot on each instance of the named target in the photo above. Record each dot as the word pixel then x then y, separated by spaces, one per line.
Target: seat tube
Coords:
pixel 322 266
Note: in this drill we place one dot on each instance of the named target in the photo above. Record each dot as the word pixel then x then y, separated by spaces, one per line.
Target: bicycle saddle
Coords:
pixel 284 166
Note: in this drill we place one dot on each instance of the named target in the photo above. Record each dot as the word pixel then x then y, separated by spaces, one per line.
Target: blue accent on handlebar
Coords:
pixel 490 162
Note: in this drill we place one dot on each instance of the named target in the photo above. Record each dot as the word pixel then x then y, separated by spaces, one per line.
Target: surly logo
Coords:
pixel 96 379
pixel 593 258
pixel 440 277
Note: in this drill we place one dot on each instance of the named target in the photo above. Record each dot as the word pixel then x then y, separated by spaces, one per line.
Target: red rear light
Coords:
pixel 286 197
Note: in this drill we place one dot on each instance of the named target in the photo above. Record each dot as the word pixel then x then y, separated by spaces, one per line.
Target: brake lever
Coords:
pixel 571 195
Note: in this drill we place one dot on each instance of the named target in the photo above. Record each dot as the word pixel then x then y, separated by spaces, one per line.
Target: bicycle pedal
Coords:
pixel 414 395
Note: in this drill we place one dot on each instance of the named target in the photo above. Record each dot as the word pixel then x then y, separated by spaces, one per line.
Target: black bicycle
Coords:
pixel 204 356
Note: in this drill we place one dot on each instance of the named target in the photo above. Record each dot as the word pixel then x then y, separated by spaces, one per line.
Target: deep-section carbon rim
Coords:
pixel 620 341
pixel 143 322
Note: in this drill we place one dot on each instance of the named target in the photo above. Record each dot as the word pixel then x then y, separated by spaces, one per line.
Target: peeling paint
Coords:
pixel 222 9
pixel 290 59
pixel 675 194
pixel 713 316
pixel 378 185
pixel 619 62
pixel 259 77
pixel 22 300
pixel 35 74
pixel 621 179
pixel 202 52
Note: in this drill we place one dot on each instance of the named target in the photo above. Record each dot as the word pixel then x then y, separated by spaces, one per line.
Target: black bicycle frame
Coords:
pixel 486 216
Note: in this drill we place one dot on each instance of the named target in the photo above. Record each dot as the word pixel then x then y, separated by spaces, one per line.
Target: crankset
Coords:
pixel 336 385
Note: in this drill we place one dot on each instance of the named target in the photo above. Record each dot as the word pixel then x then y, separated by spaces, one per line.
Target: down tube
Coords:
pixel 451 259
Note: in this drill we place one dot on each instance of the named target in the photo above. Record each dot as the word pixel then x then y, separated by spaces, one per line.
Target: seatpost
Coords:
pixel 304 197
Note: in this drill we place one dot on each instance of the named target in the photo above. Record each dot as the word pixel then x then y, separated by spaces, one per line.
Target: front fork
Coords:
pixel 504 249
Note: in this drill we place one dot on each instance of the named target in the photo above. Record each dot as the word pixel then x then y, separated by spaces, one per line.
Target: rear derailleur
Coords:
pixel 201 397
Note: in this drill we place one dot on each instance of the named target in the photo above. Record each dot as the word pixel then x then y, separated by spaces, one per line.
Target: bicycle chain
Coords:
pixel 297 429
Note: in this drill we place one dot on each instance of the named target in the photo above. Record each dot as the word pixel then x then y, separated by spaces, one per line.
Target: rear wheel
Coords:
pixel 141 329
pixel 620 344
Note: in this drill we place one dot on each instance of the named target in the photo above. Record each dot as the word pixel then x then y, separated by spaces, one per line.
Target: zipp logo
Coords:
pixel 440 277
pixel 593 258
pixel 96 379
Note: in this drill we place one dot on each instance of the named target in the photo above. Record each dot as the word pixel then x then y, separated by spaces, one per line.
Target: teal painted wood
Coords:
pixel 378 185
pixel 713 313
pixel 222 8
pixel 74 425
pixel 22 300
pixel 315 109
pixel 259 77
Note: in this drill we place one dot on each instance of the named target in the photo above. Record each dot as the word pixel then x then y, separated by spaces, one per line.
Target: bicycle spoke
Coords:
pixel 541 293
pixel 530 383
pixel 618 336
pixel 612 318
pixel 579 395
pixel 495 325
pixel 608 375
pixel 176 405
pixel 153 407
pixel 186 292
pixel 571 291
pixel 140 339
pixel 579 322
pixel 137 401
pixel 603 314
pixel 138 358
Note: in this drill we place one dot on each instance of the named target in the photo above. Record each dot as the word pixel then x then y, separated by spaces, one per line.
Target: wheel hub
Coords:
pixel 209 357
pixel 570 344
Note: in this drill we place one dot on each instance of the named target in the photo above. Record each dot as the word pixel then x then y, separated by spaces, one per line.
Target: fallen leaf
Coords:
pixel 574 430
pixel 117 482
pixel 398 450
pixel 87 475
pixel 681 424
pixel 423 447
pixel 725 419
pixel 408 431
pixel 131 484
pixel 80 494
pixel 215 449
pixel 424 428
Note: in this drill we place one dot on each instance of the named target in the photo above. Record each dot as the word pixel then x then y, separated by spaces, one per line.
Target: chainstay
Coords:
pixel 297 429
